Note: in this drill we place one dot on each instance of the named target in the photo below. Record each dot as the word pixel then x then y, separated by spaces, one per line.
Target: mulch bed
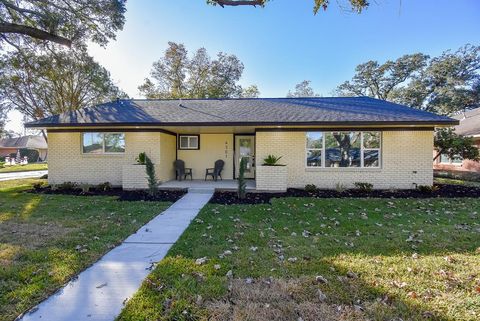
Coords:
pixel 441 190
pixel 138 195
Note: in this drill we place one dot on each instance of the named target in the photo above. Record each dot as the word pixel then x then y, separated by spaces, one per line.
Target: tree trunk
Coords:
pixel 439 152
pixel 34 33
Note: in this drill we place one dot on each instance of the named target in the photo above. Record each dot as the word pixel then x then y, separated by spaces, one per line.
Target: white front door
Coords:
pixel 245 147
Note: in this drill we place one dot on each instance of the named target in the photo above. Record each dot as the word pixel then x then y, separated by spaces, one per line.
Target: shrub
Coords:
pixel 141 159
pixel 311 188
pixel 66 186
pixel 363 186
pixel 44 176
pixel 85 187
pixel 104 186
pixel 242 184
pixel 152 180
pixel 427 188
pixel 37 186
pixel 339 187
pixel 271 160
pixel 1 164
pixel 32 154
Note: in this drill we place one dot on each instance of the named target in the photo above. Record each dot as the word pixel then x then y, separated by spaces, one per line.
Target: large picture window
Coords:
pixel 343 149
pixel 103 143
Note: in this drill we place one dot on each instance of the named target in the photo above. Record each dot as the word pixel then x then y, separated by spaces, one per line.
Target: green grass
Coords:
pixel 24 168
pixel 47 239
pixel 441 180
pixel 384 259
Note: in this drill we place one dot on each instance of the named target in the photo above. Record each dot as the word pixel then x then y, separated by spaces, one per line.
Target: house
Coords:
pixel 9 146
pixel 323 141
pixel 469 126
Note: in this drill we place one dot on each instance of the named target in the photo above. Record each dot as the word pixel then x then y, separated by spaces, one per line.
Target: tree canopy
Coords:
pixel 445 84
pixel 355 5
pixel 40 84
pixel 176 75
pixel 302 89
pixel 447 142
pixel 61 21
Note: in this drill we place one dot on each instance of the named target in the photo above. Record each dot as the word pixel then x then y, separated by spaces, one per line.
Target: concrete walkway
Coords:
pixel 19 175
pixel 99 292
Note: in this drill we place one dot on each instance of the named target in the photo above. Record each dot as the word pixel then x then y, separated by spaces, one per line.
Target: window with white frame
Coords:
pixel 188 142
pixel 456 160
pixel 343 149
pixel 103 143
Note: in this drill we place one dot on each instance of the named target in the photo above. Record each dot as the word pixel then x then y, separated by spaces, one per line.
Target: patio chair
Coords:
pixel 216 171
pixel 181 171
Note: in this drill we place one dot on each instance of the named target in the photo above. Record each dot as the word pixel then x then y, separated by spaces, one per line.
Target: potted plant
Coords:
pixel 271 175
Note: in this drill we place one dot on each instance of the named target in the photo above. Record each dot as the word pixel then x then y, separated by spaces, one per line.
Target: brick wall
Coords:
pixel 66 161
pixel 406 159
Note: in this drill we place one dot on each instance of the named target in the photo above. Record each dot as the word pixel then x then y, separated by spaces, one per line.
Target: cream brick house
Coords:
pixel 322 141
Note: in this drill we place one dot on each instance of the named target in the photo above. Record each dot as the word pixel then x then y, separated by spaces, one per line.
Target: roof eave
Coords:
pixel 451 122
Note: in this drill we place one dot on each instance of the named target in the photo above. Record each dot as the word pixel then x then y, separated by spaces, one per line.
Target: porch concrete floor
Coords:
pixel 226 184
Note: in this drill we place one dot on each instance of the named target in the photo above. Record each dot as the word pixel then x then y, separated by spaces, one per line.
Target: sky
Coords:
pixel 284 43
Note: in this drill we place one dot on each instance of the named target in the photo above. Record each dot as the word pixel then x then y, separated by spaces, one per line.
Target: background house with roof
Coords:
pixel 469 126
pixel 10 146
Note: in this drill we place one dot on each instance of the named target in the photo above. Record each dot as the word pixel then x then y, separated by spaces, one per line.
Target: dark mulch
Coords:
pixel 442 190
pixel 138 195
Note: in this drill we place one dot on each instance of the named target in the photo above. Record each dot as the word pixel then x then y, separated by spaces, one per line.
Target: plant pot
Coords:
pixel 134 177
pixel 272 178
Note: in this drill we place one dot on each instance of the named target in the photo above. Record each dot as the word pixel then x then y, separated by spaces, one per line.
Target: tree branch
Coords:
pixel 34 33
pixel 234 3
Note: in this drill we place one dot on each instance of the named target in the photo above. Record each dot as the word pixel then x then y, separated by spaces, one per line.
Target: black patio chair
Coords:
pixel 181 171
pixel 215 172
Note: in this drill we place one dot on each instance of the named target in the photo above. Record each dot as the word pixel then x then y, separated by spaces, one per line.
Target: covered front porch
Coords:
pixel 223 185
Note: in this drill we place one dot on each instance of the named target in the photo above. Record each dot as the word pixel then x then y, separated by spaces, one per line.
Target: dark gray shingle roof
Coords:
pixel 469 123
pixel 258 111
pixel 34 142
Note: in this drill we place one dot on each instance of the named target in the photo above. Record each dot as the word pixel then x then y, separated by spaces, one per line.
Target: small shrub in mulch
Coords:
pixel 440 190
pixel 140 195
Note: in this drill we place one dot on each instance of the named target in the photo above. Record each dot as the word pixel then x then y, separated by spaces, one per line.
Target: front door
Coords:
pixel 245 147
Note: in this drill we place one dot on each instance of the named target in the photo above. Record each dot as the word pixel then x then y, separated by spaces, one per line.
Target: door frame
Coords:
pixel 235 150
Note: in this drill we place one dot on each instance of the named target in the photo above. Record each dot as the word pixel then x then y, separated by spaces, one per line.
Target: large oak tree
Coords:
pixel 176 75
pixel 40 84
pixel 61 21
pixel 355 5
pixel 445 84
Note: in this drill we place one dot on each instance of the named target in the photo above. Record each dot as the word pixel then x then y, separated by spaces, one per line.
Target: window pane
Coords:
pixel 444 159
pixel 92 143
pixel 314 158
pixel 114 143
pixel 371 158
pixel 315 140
pixel 342 149
pixel 457 160
pixel 183 141
pixel 371 139
pixel 193 142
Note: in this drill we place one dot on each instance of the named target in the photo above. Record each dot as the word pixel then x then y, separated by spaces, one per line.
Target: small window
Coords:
pixel 189 142
pixel 103 143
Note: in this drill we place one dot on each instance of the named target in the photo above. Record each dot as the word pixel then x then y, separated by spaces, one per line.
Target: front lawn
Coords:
pixel 47 239
pixel 24 168
pixel 321 259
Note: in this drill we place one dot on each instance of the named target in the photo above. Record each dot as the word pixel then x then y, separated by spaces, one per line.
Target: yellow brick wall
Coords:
pixel 66 161
pixel 406 159
pixel 212 148
pixel 165 170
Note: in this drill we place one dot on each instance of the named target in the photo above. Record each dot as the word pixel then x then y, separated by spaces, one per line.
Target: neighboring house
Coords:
pixel 10 146
pixel 469 126
pixel 323 141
